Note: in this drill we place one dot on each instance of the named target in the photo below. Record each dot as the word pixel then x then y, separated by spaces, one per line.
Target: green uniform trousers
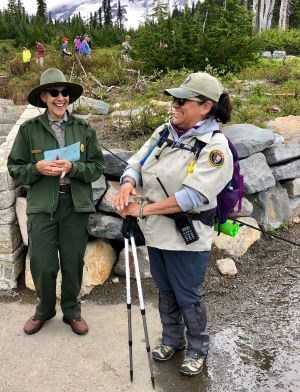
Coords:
pixel 56 241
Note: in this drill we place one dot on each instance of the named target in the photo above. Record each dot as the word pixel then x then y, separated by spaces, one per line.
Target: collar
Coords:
pixel 202 130
pixel 53 120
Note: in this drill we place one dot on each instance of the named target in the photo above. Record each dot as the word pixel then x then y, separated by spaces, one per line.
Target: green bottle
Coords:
pixel 229 228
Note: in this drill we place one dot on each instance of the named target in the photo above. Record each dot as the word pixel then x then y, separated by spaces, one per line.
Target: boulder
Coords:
pixel 116 162
pixel 271 207
pixel 106 202
pixel 143 259
pixel 227 267
pixel 279 55
pixel 280 153
pixel 292 187
pixel 105 226
pixel 248 139
pixel 255 181
pixel 288 127
pixel 286 171
pixel 238 246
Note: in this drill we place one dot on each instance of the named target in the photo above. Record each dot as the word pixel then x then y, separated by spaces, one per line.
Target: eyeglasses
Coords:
pixel 182 101
pixel 55 93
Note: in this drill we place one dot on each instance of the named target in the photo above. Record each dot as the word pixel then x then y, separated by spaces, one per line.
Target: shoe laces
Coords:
pixel 163 348
pixel 194 362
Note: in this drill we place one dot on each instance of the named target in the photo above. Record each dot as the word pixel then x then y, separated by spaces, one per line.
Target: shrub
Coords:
pixel 276 39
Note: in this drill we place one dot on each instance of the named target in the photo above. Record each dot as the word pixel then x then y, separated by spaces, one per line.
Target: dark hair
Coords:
pixel 221 110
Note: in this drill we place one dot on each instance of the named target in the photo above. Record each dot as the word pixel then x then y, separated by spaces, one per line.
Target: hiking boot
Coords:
pixel 33 325
pixel 192 366
pixel 79 325
pixel 162 352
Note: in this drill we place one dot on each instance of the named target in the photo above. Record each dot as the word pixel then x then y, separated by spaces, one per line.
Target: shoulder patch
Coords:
pixel 216 158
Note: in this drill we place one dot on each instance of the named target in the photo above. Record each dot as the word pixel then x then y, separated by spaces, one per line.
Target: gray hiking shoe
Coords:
pixel 162 352
pixel 192 366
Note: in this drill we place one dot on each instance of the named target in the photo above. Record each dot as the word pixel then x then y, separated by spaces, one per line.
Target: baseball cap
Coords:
pixel 198 83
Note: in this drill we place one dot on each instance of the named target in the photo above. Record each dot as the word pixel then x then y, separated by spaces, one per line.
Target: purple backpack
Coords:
pixel 229 200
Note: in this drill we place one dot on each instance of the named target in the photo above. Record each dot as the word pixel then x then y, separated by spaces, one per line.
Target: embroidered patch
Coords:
pixel 216 158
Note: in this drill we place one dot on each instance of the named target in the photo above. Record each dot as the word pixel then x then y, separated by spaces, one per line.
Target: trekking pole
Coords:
pixel 142 307
pixel 266 232
pixel 128 297
pixel 129 228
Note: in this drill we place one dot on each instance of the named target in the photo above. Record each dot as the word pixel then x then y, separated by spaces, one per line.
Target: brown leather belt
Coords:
pixel 65 188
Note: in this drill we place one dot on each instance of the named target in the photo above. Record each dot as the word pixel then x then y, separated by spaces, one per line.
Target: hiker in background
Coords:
pixel 85 49
pixel 26 56
pixel 40 54
pixel 59 200
pixel 65 48
pixel 127 48
pixel 189 182
pixel 77 43
pixel 90 42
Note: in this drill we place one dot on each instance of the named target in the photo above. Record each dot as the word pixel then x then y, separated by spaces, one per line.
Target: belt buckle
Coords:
pixel 61 191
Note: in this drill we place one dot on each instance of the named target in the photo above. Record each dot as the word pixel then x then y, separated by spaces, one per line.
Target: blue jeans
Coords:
pixel 178 276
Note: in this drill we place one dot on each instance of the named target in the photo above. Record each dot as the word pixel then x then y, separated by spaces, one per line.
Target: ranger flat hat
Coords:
pixel 199 83
pixel 53 77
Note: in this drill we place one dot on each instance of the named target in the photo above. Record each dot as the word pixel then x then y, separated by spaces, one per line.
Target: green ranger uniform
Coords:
pixel 57 222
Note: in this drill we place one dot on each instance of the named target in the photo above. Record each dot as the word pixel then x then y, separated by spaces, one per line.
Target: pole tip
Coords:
pixel 153 384
pixel 131 375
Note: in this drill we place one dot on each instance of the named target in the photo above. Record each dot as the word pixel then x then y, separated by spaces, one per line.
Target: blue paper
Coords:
pixel 69 153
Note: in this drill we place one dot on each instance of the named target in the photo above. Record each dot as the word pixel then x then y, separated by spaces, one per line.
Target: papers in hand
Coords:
pixel 69 153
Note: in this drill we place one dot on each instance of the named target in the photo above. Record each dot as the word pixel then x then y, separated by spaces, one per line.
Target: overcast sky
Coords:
pixel 30 5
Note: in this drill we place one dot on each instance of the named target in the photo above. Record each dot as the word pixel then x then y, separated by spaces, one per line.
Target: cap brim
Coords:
pixel 180 92
pixel 34 97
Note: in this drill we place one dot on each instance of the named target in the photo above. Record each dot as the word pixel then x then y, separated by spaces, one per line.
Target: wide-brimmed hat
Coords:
pixel 199 83
pixel 53 77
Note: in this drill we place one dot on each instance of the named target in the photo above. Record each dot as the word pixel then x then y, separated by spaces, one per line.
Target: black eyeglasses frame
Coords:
pixel 54 92
pixel 182 101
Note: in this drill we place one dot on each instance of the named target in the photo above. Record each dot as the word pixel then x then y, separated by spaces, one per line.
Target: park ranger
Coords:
pixel 58 156
pixel 183 167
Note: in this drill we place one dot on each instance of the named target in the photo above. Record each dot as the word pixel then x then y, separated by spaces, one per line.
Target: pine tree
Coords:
pixel 119 16
pixel 107 14
pixel 41 9
pixel 100 17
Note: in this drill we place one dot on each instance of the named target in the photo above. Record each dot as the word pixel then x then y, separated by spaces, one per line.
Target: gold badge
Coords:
pixel 82 147
pixel 216 158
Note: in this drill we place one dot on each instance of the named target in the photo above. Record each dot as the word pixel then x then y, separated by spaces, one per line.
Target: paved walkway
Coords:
pixel 57 360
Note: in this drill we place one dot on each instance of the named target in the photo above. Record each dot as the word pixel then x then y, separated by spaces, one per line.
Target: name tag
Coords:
pixel 36 151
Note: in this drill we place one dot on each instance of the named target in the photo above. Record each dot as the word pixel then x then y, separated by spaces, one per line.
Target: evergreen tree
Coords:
pixel 41 9
pixel 100 17
pixel 107 13
pixel 119 16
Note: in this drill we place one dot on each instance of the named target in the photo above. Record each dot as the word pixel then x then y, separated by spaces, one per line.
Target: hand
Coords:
pixel 61 167
pixel 45 168
pixel 121 200
pixel 132 209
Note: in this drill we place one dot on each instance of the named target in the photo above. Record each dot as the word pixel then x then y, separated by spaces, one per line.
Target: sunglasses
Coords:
pixel 55 93
pixel 182 101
